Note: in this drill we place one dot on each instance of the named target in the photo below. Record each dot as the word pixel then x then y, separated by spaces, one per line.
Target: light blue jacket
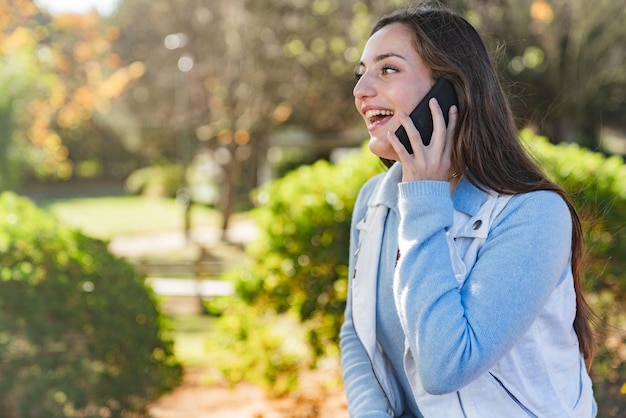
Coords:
pixel 483 293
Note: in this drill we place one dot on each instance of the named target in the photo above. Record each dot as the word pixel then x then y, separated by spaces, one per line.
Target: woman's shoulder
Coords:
pixel 548 198
pixel 544 206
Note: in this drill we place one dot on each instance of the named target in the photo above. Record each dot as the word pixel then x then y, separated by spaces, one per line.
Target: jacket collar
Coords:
pixel 469 198
pixel 386 192
pixel 466 196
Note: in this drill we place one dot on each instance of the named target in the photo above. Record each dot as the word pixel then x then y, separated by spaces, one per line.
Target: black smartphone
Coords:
pixel 422 117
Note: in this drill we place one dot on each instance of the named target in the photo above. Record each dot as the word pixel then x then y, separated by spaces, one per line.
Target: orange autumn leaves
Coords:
pixel 66 71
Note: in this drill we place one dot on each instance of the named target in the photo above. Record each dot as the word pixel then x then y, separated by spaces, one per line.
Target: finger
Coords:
pixel 399 148
pixel 410 165
pixel 438 141
pixel 453 114
pixel 415 138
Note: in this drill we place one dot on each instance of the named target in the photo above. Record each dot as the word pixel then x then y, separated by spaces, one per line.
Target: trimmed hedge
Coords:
pixel 300 258
pixel 80 335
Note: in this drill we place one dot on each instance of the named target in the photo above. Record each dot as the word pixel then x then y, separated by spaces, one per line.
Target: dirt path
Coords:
pixel 320 396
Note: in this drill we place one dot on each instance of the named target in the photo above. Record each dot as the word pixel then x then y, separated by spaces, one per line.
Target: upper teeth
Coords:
pixel 378 112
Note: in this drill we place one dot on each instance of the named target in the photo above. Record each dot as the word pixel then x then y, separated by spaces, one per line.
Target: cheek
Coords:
pixel 410 98
pixel 403 99
pixel 413 93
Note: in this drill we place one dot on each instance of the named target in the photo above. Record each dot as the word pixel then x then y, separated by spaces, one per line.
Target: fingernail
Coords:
pixel 403 115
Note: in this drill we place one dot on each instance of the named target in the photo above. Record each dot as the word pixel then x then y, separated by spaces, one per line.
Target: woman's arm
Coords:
pixel 457 334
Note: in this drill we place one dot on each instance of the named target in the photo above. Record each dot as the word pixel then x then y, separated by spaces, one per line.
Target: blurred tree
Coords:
pixel 225 75
pixel 564 62
pixel 255 67
pixel 57 74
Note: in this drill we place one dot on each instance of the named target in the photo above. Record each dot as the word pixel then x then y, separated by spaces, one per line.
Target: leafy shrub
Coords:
pixel 156 181
pixel 79 333
pixel 249 344
pixel 301 252
pixel 298 270
pixel 198 182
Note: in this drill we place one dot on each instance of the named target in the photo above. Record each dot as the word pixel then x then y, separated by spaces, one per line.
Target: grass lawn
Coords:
pixel 190 336
pixel 108 217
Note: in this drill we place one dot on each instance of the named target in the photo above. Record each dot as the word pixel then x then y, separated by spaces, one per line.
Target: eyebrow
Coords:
pixel 384 56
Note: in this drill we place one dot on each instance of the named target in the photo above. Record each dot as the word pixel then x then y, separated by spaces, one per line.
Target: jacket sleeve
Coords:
pixel 364 394
pixel 457 334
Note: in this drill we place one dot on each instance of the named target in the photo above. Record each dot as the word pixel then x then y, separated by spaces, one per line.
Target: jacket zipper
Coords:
pixel 521 405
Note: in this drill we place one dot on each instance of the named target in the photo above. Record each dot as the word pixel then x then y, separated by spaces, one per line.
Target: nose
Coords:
pixel 364 88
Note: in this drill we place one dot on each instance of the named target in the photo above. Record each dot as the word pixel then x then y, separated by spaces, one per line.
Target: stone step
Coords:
pixel 205 288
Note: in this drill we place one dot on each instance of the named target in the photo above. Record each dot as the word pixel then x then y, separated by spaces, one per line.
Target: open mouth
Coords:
pixel 376 116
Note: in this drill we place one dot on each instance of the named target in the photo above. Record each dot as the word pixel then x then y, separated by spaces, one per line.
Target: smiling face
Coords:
pixel 392 78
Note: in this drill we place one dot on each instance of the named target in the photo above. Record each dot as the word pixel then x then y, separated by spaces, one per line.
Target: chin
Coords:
pixel 382 148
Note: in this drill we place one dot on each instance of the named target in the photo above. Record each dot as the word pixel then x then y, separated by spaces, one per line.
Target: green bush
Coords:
pixel 156 181
pixel 199 181
pixel 301 253
pixel 298 270
pixel 253 345
pixel 80 335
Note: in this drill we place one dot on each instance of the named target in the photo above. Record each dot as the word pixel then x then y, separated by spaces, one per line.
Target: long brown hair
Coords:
pixel 487 146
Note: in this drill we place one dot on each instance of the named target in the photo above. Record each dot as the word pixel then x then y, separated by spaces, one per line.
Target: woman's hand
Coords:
pixel 431 162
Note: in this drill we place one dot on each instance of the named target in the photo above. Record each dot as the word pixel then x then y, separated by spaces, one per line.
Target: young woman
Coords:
pixel 465 296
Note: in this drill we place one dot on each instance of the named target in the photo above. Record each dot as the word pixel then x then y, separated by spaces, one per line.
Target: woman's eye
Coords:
pixel 389 70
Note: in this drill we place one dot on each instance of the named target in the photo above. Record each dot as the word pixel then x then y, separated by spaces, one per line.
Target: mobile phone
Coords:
pixel 422 117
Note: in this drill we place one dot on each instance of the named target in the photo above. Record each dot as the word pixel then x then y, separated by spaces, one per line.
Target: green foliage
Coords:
pixel 199 181
pixel 546 56
pixel 299 270
pixel 157 180
pixel 609 367
pixel 20 78
pixel 248 343
pixel 301 253
pixel 80 334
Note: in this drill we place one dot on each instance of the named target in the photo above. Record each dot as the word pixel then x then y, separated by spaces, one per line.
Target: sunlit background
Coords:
pixel 209 154
pixel 103 7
